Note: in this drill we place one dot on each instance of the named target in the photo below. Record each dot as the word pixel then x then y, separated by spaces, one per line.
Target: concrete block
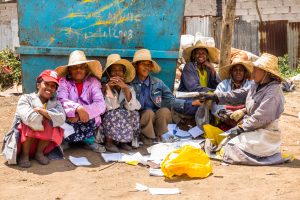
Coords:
pixel 283 10
pixel 247 5
pixel 289 16
pixel 272 17
pixel 295 9
pixel 289 2
pixel 249 18
pixel 270 10
pixel 252 11
pixel 241 12
pixel 297 2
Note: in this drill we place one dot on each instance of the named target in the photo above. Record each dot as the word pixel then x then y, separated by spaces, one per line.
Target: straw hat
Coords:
pixel 116 59
pixel 213 53
pixel 144 55
pixel 78 57
pixel 224 72
pixel 268 63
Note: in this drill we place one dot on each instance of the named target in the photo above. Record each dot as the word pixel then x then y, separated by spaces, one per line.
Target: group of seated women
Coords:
pixel 125 104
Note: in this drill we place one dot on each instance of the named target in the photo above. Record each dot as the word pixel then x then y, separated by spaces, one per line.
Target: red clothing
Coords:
pixel 52 134
pixel 79 87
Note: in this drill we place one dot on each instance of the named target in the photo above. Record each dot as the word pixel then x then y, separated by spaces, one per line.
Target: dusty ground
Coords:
pixel 61 180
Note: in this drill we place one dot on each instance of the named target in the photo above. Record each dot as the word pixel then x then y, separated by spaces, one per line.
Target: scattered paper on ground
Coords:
pixel 81 161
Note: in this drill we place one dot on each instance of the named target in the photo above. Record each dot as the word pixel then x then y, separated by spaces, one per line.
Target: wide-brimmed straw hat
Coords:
pixel 145 55
pixel 78 57
pixel 224 72
pixel 213 52
pixel 268 63
pixel 116 59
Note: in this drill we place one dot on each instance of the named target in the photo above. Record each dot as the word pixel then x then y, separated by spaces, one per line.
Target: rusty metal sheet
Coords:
pixel 273 37
pixel 293 30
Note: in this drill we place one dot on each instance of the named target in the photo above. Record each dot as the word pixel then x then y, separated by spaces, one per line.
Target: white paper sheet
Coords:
pixel 68 130
pixel 134 157
pixel 81 161
pixel 182 134
pixel 112 157
pixel 195 131
pixel 156 172
pixel 158 191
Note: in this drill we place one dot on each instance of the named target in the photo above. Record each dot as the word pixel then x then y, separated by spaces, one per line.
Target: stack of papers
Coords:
pixel 81 161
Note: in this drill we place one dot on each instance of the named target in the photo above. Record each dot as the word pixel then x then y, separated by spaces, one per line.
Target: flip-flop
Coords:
pixel 95 147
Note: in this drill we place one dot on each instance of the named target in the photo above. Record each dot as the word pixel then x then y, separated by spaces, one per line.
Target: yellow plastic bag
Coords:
pixel 187 160
pixel 213 133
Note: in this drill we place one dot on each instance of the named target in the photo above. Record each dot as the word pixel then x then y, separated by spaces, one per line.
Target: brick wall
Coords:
pixel 8 25
pixel 200 8
pixel 270 10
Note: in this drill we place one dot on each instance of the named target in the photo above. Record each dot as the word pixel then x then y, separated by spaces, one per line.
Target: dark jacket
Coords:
pixel 160 94
pixel 190 81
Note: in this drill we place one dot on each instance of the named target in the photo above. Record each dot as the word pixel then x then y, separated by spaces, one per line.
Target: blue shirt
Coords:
pixel 145 97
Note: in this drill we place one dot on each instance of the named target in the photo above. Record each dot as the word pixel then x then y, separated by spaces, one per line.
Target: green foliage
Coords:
pixel 10 69
pixel 285 69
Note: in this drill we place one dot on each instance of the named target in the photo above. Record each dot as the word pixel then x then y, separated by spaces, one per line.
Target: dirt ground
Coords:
pixel 62 180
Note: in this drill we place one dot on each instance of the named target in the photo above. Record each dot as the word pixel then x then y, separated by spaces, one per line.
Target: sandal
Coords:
pixel 112 148
pixel 43 160
pixel 95 147
pixel 125 147
pixel 24 163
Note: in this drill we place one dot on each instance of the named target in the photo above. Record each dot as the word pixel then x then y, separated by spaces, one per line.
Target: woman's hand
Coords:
pixel 118 81
pixel 210 67
pixel 42 112
pixel 73 119
pixel 197 102
pixel 83 114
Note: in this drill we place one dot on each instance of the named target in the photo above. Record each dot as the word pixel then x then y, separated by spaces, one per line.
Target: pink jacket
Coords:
pixel 91 97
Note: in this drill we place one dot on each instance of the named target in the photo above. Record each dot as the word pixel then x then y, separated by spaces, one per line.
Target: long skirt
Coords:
pixel 83 131
pixel 121 125
pixel 52 134
pixel 258 147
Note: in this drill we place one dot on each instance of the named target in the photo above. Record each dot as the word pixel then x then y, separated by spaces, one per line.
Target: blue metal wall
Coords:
pixel 50 30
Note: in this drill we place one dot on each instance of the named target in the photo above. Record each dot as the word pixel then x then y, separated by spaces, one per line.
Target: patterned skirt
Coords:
pixel 83 131
pixel 121 125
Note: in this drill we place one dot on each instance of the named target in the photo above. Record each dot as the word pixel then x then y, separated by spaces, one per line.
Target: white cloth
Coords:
pixel 261 142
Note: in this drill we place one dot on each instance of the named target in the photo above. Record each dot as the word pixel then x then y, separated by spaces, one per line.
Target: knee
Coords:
pixel 147 114
pixel 163 113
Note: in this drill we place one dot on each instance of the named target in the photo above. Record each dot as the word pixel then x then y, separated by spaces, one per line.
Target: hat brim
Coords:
pixel 50 79
pixel 275 73
pixel 213 53
pixel 130 71
pixel 156 68
pixel 224 72
pixel 93 65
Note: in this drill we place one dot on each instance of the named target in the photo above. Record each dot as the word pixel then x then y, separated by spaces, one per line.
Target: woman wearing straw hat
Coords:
pixel 121 122
pixel 198 74
pixel 81 96
pixel 155 97
pixel 256 139
pixel 235 76
pixel 37 121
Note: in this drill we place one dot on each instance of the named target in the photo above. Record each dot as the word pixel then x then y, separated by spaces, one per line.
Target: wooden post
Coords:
pixel 227 32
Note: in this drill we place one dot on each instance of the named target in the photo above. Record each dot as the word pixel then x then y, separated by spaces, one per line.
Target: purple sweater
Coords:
pixel 91 98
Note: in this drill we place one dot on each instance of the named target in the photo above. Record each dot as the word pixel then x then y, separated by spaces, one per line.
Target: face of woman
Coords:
pixel 46 90
pixel 117 70
pixel 144 68
pixel 258 75
pixel 78 72
pixel 238 73
pixel 200 55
